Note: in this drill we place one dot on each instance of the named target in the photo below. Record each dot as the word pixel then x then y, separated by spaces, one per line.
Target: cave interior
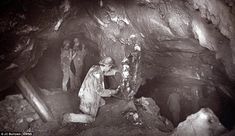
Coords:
pixel 187 46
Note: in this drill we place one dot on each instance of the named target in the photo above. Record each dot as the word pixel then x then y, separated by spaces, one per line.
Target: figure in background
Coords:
pixel 91 92
pixel 78 59
pixel 195 99
pixel 173 104
pixel 66 59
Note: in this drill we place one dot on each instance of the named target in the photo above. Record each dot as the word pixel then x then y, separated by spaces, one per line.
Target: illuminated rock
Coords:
pixel 202 123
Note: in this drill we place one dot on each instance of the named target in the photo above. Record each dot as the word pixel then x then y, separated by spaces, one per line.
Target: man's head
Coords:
pixel 66 44
pixel 76 41
pixel 106 64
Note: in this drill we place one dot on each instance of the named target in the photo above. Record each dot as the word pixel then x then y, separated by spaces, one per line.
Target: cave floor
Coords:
pixel 114 118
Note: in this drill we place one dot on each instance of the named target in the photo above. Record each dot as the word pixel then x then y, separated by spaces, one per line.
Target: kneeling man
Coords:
pixel 91 92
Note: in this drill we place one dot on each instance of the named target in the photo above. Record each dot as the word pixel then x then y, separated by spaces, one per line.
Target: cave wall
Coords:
pixel 185 44
pixel 159 26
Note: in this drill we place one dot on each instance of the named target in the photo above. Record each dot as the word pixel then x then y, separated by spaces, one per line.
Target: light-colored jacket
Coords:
pixel 91 91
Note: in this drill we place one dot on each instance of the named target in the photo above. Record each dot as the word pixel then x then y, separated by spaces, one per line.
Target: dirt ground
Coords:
pixel 116 118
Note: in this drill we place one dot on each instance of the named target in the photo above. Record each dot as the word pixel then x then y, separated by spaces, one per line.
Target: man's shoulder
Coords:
pixel 174 96
pixel 65 51
pixel 94 69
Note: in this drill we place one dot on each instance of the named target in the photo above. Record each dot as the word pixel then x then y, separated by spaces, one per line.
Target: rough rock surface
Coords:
pixel 117 117
pixel 154 24
pixel 16 114
pixel 202 123
pixel 222 18
pixel 185 44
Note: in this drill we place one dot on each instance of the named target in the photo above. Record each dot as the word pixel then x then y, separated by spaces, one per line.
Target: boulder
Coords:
pixel 149 105
pixel 149 114
pixel 202 123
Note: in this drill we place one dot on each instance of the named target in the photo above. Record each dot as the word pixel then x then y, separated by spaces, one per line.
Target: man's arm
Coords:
pixel 104 92
pixel 107 92
pixel 74 53
pixel 112 91
pixel 111 72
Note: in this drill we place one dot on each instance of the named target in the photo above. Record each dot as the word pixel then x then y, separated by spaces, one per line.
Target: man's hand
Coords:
pixel 74 54
pixel 112 72
pixel 115 91
pixel 112 91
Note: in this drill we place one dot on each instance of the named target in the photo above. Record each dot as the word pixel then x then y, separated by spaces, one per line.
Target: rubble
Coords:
pixel 16 114
pixel 117 116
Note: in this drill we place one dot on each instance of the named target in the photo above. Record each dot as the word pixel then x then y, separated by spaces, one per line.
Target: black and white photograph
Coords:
pixel 117 67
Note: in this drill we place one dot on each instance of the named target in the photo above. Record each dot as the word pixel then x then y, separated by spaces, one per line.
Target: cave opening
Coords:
pixel 210 96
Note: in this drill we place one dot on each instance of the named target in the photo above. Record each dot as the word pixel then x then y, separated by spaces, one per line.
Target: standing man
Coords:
pixel 91 92
pixel 173 104
pixel 66 58
pixel 78 58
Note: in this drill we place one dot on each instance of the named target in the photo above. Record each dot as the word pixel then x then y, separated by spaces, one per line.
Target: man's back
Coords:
pixel 93 82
